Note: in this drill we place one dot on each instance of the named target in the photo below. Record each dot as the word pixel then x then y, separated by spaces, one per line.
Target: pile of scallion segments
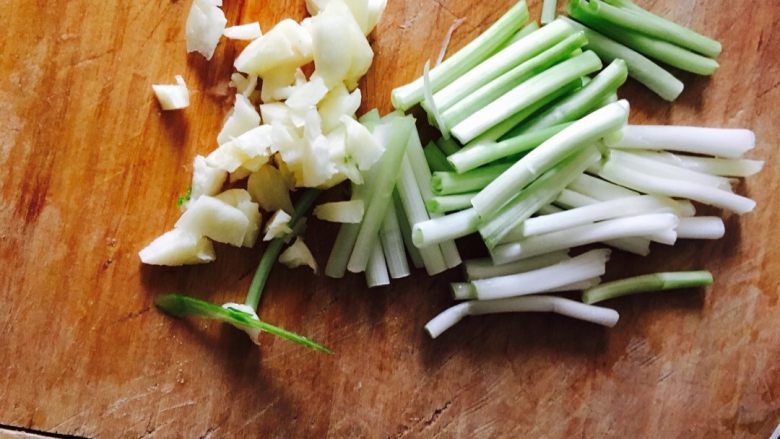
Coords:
pixel 538 158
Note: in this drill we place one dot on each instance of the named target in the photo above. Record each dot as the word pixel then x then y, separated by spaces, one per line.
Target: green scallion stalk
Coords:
pixel 376 269
pixel 448 183
pixel 577 105
pixel 469 104
pixel 271 253
pixel 444 228
pixel 541 192
pixel 396 137
pixel 549 9
pixel 514 54
pixel 448 146
pixel 575 137
pixel 478 154
pixel 406 232
pixel 525 95
pixel 393 245
pixel 657 27
pixel 647 283
pixel 641 68
pixel 436 159
pixel 662 51
pixel 528 29
pixel 184 306
pixel 465 59
pixel 448 203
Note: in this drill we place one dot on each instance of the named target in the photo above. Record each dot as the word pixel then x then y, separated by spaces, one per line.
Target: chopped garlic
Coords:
pixel 297 255
pixel 308 94
pixel 338 102
pixel 206 179
pixel 268 187
pixel 205 24
pixel 240 199
pixel 178 247
pixel 361 145
pixel 242 118
pixel 244 85
pixel 172 97
pixel 341 211
pixel 278 226
pixel 216 219
pixel 366 12
pixel 280 82
pixel 239 174
pixel 249 31
pixel 227 157
pixel 286 44
pixel 254 334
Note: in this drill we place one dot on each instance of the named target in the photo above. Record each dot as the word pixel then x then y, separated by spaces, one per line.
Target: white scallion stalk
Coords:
pixel 525 95
pixel 577 286
pixel 577 269
pixel 720 142
pixel 444 228
pixel 668 170
pixel 571 139
pixel 602 190
pixel 701 227
pixel 570 308
pixel 484 268
pixel 536 195
pixel 396 135
pixel 572 200
pixel 406 232
pixel 549 209
pixel 422 175
pixel 647 283
pixel 600 211
pixel 376 270
pixel 467 291
pixel 465 59
pixel 443 204
pixel 635 226
pixel 667 237
pixel 549 9
pixel 393 245
pixel 509 57
pixel 431 104
pixel 413 205
pixel 636 179
pixel 708 165
pixel 341 211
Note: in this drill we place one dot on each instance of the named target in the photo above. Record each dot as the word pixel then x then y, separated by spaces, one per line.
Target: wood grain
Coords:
pixel 90 173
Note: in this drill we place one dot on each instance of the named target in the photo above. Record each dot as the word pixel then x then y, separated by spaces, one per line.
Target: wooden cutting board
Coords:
pixel 91 169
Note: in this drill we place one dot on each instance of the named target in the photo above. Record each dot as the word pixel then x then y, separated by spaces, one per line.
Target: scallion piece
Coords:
pixel 494 89
pixel 441 204
pixel 580 268
pixel 641 68
pixel 406 232
pixel 465 59
pixel 592 96
pixel 444 228
pixel 708 165
pixel 501 62
pixel 570 308
pixel 446 183
pixel 525 95
pixel 667 170
pixel 396 135
pixel 393 245
pixel 184 306
pixel 448 146
pixel 271 253
pixel 701 227
pixel 541 192
pixel 635 178
pixel 660 50
pixel 635 226
pixel 657 27
pixel 484 268
pixel 436 159
pixel 647 283
pixel 549 9
pixel 376 269
pixel 720 142
pixel 478 154
pixel 573 138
